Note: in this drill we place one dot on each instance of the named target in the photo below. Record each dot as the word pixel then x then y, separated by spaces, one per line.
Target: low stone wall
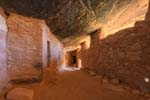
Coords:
pixel 116 84
pixel 124 55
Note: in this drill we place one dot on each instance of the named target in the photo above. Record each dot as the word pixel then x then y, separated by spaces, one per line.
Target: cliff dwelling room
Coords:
pixel 74 49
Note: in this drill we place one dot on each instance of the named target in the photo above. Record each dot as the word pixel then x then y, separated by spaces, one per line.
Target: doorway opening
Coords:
pixel 72 58
pixel 48 53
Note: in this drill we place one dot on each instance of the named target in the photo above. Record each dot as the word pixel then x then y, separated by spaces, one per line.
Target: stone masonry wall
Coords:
pixel 24 46
pixel 56 49
pixel 28 49
pixel 3 53
pixel 124 55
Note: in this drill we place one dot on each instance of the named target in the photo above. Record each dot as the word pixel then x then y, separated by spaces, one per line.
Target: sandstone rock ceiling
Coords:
pixel 68 18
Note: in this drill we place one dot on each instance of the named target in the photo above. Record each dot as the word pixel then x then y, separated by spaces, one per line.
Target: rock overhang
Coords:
pixel 72 19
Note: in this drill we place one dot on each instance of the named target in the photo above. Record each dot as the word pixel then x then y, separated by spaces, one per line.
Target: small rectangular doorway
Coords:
pixel 48 53
pixel 72 58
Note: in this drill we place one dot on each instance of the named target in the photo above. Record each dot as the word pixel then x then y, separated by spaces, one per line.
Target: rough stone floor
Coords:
pixel 78 85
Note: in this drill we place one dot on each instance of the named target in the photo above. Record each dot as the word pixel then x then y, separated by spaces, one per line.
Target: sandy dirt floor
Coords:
pixel 78 85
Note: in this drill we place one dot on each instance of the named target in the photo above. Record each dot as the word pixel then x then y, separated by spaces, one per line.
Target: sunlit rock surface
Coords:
pixel 73 18
pixel 124 55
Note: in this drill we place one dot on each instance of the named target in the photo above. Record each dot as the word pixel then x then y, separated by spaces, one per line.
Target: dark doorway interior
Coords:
pixel 72 58
pixel 48 54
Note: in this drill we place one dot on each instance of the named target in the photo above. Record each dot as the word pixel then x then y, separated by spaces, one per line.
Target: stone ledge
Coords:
pixel 20 94
pixel 114 82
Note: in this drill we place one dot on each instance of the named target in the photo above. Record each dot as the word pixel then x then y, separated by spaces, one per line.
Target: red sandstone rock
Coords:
pixel 92 73
pixel 3 51
pixel 105 80
pixel 147 95
pixel 115 81
pixel 99 76
pixel 136 92
pixel 20 94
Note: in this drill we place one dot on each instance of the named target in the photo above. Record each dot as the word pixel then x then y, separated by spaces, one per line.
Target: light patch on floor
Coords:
pixel 65 68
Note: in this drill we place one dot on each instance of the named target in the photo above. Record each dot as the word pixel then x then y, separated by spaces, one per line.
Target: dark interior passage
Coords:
pixel 48 54
pixel 72 58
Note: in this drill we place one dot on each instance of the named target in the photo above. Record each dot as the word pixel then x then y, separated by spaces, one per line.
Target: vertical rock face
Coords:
pixel 124 55
pixel 24 47
pixel 3 53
